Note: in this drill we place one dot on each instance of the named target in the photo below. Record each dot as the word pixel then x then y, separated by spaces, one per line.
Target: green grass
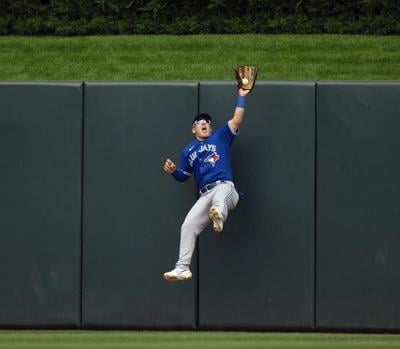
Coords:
pixel 279 57
pixel 191 340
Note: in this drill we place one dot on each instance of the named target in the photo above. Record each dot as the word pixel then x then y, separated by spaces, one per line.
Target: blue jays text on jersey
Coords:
pixel 208 160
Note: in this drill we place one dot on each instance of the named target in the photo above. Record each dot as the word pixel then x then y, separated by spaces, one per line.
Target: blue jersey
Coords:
pixel 208 160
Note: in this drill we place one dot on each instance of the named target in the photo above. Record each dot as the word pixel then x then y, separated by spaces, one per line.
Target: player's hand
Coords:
pixel 243 93
pixel 169 166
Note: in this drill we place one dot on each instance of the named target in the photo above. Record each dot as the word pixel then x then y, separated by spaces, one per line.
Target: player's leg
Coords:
pixel 194 223
pixel 225 198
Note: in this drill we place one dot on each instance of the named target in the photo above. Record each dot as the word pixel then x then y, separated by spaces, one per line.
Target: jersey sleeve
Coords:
pixel 184 171
pixel 227 133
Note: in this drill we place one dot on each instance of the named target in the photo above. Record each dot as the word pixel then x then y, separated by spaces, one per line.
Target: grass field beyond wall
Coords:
pixel 209 57
pixel 191 340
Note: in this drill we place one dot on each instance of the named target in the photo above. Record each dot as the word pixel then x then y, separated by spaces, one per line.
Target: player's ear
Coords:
pixel 193 130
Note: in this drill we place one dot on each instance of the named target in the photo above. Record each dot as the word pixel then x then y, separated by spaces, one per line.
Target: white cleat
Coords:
pixel 217 219
pixel 178 275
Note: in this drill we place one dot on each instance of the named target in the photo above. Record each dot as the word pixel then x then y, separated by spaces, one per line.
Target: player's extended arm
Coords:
pixel 238 115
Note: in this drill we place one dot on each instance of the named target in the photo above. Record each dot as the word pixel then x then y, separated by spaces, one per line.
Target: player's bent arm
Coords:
pixel 169 166
pixel 178 174
pixel 238 115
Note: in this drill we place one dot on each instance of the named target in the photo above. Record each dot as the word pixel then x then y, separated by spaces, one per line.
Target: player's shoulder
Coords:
pixel 220 128
pixel 189 147
pixel 225 128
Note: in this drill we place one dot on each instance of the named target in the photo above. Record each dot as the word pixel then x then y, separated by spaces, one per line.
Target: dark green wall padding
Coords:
pixel 40 204
pixel 89 221
pixel 259 272
pixel 133 210
pixel 358 206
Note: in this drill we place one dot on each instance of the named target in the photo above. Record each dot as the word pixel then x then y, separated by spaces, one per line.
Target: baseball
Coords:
pixel 245 81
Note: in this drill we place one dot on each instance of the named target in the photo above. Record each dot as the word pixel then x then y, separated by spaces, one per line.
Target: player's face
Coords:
pixel 202 129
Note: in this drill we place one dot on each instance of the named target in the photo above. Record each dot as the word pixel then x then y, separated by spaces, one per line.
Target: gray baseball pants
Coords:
pixel 224 197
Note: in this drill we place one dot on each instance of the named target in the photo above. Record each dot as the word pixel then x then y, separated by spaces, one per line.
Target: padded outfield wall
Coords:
pixel 90 222
pixel 40 204
pixel 358 206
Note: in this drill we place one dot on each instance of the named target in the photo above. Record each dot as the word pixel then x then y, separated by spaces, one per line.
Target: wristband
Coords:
pixel 241 102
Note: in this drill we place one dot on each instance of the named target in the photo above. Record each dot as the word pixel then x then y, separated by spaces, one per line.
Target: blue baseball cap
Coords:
pixel 202 116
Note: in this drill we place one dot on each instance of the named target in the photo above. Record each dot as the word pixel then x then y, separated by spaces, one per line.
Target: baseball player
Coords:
pixel 208 159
